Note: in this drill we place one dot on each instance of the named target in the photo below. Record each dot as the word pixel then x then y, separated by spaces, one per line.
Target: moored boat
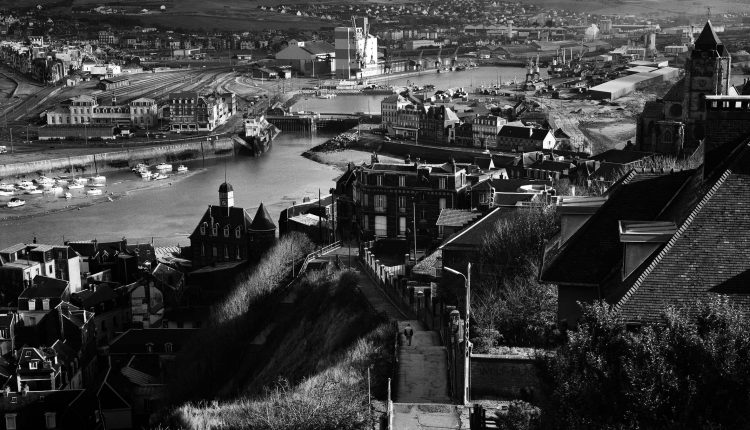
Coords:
pixel 68 196
pixel 5 193
pixel 163 166
pixel 182 168
pixel 99 178
pixel 7 187
pixel 75 186
pixel 94 192
pixel 34 191
pixel 160 176
pixel 16 202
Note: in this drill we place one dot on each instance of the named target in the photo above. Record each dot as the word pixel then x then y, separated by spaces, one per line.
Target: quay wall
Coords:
pixel 123 159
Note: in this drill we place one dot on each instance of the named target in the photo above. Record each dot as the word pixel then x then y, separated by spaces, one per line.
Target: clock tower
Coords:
pixel 706 73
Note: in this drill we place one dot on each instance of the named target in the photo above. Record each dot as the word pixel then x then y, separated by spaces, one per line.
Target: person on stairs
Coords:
pixel 408 332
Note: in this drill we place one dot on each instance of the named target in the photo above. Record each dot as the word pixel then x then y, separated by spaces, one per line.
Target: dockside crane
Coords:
pixel 454 62
pixel 438 61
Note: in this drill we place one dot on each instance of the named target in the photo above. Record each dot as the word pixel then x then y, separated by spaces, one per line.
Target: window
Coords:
pixel 237 232
pixel 226 252
pixel 32 304
pixel 379 180
pixel 442 203
pixel 33 365
pixel 149 347
pixel 402 226
pixel 45 304
pixel 668 137
pixel 215 229
pixel 380 203
pixel 381 224
pixel 365 222
pixel 402 181
pixel 203 250
pixel 168 347
pixel 365 200
pixel 10 421
pixel 226 231
pixel 402 204
pixel 238 253
pixel 203 228
pixel 441 183
pixel 215 252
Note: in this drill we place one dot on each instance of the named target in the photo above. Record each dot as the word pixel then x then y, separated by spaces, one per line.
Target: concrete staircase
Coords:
pixel 423 367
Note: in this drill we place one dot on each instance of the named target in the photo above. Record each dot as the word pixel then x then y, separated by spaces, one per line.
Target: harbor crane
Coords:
pixel 438 61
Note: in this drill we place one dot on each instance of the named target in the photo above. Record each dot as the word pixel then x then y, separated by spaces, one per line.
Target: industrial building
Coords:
pixel 356 51
pixel 309 58
pixel 619 87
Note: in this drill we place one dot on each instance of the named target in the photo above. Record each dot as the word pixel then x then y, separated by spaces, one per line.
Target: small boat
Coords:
pixel 98 184
pixel 61 181
pixel 16 202
pixel 140 167
pixel 99 178
pixel 182 168
pixel 7 187
pixel 68 196
pixel 34 191
pixel 94 192
pixel 163 166
pixel 43 180
pixel 75 186
pixel 82 180
pixel 26 185
pixel 146 175
pixel 159 176
pixel 6 193
pixel 56 189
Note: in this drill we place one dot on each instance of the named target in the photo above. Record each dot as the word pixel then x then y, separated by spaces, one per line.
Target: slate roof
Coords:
pixel 474 235
pixel 676 93
pixel 515 132
pixel 44 287
pixel 318 47
pixel 233 216
pixel 512 199
pixel 708 40
pixel 621 156
pixel 431 265
pixel 262 220
pixel 167 275
pixel 708 255
pixel 134 341
pixel 456 217
pixel 595 251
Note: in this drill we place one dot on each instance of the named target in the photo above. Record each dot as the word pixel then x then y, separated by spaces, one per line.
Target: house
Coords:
pixel 657 239
pixel 391 198
pixel 227 233
pixel 110 308
pixel 313 216
pixel 40 298
pixel 485 129
pixel 110 84
pixel 59 409
pixel 513 138
pixel 190 111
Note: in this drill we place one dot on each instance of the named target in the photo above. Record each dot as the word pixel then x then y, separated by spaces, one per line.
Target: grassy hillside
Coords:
pixel 312 371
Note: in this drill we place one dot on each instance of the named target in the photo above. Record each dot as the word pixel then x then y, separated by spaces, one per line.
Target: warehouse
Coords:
pixel 109 84
pixel 76 132
pixel 619 87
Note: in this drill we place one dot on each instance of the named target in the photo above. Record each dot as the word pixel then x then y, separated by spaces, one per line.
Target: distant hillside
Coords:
pixel 311 372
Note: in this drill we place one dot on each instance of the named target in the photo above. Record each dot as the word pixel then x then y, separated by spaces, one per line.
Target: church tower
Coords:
pixel 226 195
pixel 706 73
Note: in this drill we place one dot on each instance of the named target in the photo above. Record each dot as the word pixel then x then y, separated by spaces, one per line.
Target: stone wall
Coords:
pixel 116 160
pixel 504 377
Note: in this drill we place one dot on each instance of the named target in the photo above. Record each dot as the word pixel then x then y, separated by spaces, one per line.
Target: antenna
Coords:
pixel 708 16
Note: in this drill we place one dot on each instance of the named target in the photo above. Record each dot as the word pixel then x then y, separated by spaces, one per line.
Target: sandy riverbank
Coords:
pixel 342 158
pixel 49 203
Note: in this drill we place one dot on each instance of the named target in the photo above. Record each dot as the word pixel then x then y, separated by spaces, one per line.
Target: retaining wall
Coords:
pixel 117 160
pixel 504 377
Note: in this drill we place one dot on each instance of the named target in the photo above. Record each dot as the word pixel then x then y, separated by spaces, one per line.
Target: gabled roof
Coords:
pixel 594 251
pixel 456 217
pixel 473 235
pixel 318 47
pixel 262 220
pixel 232 216
pixel 676 93
pixel 44 287
pixel 708 254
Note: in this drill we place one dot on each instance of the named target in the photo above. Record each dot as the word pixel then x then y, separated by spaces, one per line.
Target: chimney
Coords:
pixel 640 239
pixel 574 212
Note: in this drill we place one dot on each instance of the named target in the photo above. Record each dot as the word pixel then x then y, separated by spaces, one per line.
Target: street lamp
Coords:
pixel 467 343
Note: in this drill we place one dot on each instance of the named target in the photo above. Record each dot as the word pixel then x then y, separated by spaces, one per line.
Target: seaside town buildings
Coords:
pixel 192 111
pixel 141 112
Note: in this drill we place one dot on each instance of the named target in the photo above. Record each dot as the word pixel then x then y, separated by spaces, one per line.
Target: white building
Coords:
pixel 84 109
pixel 356 52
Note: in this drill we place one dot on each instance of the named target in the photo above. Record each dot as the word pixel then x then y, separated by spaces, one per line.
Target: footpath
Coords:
pixel 421 397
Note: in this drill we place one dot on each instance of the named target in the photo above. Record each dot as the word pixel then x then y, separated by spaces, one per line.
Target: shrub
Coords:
pixel 520 416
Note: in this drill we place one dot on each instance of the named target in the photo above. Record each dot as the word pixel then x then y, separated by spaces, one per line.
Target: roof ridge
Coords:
pixel 464 231
pixel 668 247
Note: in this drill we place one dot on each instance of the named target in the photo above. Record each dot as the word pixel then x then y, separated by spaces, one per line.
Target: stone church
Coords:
pixel 676 124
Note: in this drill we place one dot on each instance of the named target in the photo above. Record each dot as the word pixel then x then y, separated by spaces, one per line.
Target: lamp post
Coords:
pixel 467 343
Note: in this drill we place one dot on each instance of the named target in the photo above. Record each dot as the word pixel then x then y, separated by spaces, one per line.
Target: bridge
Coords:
pixel 309 121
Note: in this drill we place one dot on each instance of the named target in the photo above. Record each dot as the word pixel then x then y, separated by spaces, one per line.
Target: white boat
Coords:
pixel 6 193
pixel 68 196
pixel 146 175
pixel 75 186
pixel 26 184
pixel 61 181
pixel 34 191
pixel 15 202
pixel 182 168
pixel 82 180
pixel 160 176
pixel 56 189
pixel 94 192
pixel 7 187
pixel 99 178
pixel 163 166
pixel 140 167
pixel 97 184
pixel 43 180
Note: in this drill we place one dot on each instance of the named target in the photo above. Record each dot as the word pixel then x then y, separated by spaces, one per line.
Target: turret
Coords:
pixel 226 195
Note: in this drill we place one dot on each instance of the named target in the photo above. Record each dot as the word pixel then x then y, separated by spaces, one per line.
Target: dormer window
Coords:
pixel 168 347
pixel 50 420
pixel 45 304
pixel 10 421
pixel 149 347
pixel 215 229
pixel 32 304
pixel 33 365
pixel 237 232
pixel 203 228
pixel 226 231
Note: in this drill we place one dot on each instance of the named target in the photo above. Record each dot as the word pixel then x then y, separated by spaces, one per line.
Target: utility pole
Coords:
pixel 11 140
pixel 414 224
